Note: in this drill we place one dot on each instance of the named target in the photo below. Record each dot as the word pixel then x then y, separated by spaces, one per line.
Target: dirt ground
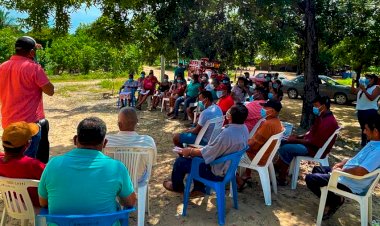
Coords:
pixel 75 101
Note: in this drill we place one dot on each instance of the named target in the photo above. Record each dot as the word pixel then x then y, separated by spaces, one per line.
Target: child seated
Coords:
pixel 162 91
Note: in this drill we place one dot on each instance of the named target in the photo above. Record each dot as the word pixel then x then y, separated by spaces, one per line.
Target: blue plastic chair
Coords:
pixel 107 219
pixel 218 186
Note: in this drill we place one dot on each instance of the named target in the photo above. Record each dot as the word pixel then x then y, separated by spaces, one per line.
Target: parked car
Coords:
pixel 260 77
pixel 327 87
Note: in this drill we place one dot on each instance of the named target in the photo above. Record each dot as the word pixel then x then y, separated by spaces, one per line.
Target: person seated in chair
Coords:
pixel 127 137
pixel 260 96
pixel 127 91
pixel 148 85
pixel 14 164
pixel 209 111
pixel 84 180
pixel 232 139
pixel 308 144
pixel 364 162
pixel 225 101
pixel 271 126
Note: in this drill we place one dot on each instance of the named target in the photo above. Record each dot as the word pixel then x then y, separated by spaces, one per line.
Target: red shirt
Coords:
pixel 324 126
pixel 150 83
pixel 225 103
pixel 23 167
pixel 21 80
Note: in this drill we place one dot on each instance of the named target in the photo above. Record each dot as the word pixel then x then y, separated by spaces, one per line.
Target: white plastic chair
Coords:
pixel 257 125
pixel 295 164
pixel 266 172
pixel 17 202
pixel 164 100
pixel 364 200
pixel 132 158
pixel 218 124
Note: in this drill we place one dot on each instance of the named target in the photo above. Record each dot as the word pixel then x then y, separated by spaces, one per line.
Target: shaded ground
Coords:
pixel 289 207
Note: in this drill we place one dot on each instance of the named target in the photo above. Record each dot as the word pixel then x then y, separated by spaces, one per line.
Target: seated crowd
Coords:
pixel 86 181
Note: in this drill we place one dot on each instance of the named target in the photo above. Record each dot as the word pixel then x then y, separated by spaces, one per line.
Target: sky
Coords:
pixel 83 15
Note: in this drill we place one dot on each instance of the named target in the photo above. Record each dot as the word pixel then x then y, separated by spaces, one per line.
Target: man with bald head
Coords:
pixel 128 137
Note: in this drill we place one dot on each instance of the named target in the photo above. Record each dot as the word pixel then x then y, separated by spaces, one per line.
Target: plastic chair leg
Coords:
pixel 296 170
pixel 370 208
pixel 141 196
pixel 221 204
pixel 186 194
pixel 3 217
pixel 265 184
pixel 162 105
pixel 325 161
pixel 147 209
pixel 322 203
pixel 364 212
pixel 273 180
pixel 233 191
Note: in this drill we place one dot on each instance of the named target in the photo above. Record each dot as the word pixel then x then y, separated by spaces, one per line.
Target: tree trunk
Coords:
pixel 311 77
pixel 358 71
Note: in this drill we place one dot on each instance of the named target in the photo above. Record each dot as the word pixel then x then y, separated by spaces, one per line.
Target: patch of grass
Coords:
pixel 67 89
pixel 66 77
pixel 109 84
pixel 346 82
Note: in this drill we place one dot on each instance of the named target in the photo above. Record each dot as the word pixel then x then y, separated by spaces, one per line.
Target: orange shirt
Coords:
pixel 267 129
pixel 21 80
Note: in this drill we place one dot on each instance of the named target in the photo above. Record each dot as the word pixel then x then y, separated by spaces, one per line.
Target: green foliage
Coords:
pixel 8 38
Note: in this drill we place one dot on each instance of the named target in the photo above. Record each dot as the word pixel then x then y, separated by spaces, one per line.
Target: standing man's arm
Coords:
pixel 48 89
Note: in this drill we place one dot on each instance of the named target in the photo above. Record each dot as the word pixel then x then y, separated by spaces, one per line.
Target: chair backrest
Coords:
pixel 217 123
pixel 16 198
pixel 257 125
pixel 107 219
pixel 132 157
pixel 274 138
pixel 322 150
pixel 375 181
pixel 234 159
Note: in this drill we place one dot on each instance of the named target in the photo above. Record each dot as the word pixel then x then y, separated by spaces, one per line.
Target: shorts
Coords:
pixel 189 138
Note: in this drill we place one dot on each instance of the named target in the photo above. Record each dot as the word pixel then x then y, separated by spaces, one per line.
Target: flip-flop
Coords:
pixel 332 210
pixel 168 185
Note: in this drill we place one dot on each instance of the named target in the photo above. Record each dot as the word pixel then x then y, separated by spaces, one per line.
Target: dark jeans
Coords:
pixel 320 178
pixel 44 146
pixel 182 166
pixel 187 101
pixel 363 117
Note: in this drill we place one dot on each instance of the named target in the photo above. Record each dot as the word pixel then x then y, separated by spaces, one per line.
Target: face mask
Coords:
pixel 165 80
pixel 219 94
pixel 212 86
pixel 316 111
pixel 204 79
pixel 225 82
pixel 201 105
pixel 366 82
pixel 267 79
pixel 263 113
pixel 270 95
pixel 275 86
pixel 131 80
pixel 179 80
pixel 142 76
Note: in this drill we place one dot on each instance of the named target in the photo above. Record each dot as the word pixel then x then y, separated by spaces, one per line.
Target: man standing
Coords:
pixel 366 161
pixel 127 137
pixel 84 180
pixel 22 82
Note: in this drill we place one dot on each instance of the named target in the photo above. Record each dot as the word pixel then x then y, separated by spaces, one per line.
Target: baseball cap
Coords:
pixel 221 87
pixel 276 105
pixel 26 43
pixel 18 134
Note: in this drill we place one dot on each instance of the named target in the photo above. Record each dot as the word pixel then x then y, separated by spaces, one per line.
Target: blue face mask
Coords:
pixel 270 95
pixel 219 94
pixel 142 76
pixel 316 111
pixel 366 82
pixel 275 86
pixel 179 80
pixel 201 105
pixel 130 80
pixel 263 113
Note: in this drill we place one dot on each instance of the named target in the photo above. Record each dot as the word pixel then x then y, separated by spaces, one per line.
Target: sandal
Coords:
pixel 168 185
pixel 244 185
pixel 332 210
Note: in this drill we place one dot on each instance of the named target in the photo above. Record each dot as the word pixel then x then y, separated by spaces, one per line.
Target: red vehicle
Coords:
pixel 204 66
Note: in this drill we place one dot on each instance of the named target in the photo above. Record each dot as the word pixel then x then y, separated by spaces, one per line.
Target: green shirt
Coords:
pixel 84 181
pixel 193 89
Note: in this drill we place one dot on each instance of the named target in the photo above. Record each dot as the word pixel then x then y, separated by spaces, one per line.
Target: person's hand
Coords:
pixel 186 152
pixel 362 87
pixel 337 166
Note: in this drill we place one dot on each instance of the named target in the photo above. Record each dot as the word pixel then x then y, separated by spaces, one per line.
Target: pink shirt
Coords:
pixel 21 80
pixel 254 115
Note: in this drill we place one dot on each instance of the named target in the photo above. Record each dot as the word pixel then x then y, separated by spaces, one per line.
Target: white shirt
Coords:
pixel 133 139
pixel 363 103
